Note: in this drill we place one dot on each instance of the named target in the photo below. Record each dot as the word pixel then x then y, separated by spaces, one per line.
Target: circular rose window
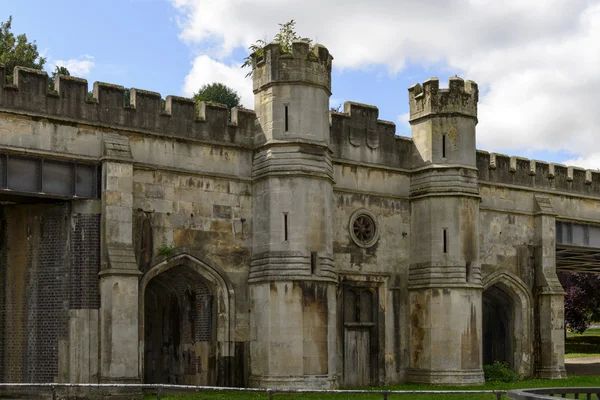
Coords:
pixel 363 228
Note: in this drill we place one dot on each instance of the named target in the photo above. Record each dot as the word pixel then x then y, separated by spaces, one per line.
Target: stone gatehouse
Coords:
pixel 288 246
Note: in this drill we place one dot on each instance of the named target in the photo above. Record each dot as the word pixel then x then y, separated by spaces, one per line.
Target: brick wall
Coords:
pixel 202 314
pixel 3 252
pixel 85 261
pixel 48 263
pixel 47 260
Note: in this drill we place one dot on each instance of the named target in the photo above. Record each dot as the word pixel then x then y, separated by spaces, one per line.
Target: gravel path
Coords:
pixel 583 366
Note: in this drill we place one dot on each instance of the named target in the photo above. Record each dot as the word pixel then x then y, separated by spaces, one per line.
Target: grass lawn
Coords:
pixel 585 345
pixel 534 383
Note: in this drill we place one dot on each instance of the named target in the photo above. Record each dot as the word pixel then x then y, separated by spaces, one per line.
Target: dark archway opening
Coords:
pixel 498 311
pixel 179 329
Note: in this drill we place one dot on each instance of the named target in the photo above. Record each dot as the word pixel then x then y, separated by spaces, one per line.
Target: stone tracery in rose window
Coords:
pixel 363 228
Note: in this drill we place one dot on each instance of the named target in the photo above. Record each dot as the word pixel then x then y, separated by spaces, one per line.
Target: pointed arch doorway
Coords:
pixel 507 322
pixel 186 312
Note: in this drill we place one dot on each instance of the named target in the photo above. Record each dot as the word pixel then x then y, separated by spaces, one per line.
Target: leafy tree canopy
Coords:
pixel 582 300
pixel 287 34
pixel 218 93
pixel 17 51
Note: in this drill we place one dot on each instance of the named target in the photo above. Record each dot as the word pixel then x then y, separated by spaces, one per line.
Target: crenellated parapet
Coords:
pixel 518 171
pixel 460 98
pixel 181 117
pixel 358 135
pixel 305 64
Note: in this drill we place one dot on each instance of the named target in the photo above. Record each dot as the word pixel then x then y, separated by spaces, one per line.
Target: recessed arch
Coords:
pixel 221 287
pixel 521 317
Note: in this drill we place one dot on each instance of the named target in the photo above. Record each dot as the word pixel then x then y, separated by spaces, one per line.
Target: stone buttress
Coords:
pixel 444 274
pixel 292 281
pixel 549 295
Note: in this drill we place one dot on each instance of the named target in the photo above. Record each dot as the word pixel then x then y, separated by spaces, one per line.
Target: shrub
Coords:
pixel 499 372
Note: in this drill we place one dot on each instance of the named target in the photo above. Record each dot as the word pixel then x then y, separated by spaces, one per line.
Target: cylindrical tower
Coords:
pixel 292 280
pixel 444 275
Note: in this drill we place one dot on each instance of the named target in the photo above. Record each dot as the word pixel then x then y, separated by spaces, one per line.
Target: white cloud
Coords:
pixel 79 67
pixel 403 123
pixel 206 70
pixel 591 161
pixel 535 60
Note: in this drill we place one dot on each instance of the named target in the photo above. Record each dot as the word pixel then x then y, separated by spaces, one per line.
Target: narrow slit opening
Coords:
pixel 313 262
pixel 285 227
pixel 445 233
pixel 286 118
pixel 443 146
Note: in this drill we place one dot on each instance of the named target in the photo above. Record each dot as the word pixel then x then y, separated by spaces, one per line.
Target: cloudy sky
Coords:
pixel 537 62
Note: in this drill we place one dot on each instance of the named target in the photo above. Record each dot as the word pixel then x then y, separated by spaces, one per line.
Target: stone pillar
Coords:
pixel 119 358
pixel 549 295
pixel 444 274
pixel 292 280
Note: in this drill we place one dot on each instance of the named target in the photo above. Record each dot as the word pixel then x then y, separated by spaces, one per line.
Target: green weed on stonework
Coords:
pixel 499 372
pixel 166 250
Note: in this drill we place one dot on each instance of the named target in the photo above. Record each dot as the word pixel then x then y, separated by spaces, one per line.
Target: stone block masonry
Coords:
pixel 281 248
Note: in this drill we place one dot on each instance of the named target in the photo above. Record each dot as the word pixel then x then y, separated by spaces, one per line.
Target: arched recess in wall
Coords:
pixel 522 318
pixel 215 279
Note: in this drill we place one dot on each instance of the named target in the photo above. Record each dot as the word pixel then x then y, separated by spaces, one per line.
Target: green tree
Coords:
pixel 218 93
pixel 286 36
pixel 17 51
pixel 57 71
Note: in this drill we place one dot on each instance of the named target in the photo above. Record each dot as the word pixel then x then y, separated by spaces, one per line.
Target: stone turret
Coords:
pixel 443 121
pixel 444 274
pixel 292 278
pixel 291 92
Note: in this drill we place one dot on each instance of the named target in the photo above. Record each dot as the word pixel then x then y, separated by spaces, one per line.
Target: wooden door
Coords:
pixel 357 354
pixel 360 344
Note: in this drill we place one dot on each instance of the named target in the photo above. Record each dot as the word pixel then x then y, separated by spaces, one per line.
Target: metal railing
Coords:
pixel 588 393
pixel 52 389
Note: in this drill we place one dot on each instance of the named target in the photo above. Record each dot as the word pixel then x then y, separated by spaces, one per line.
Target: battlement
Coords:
pixel 181 117
pixel 460 98
pixel 518 171
pixel 358 135
pixel 303 64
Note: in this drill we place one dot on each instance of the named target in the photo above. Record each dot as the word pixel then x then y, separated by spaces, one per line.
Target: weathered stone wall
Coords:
pixel 69 102
pixel 520 172
pixel 206 214
pixel 383 192
pixel 185 185
pixel 506 238
pixel 372 173
pixel 358 136
pixel 512 241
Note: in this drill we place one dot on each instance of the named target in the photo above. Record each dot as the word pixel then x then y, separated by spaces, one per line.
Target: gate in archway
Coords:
pixel 497 326
pixel 178 332
pixel 186 323
pixel 507 322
